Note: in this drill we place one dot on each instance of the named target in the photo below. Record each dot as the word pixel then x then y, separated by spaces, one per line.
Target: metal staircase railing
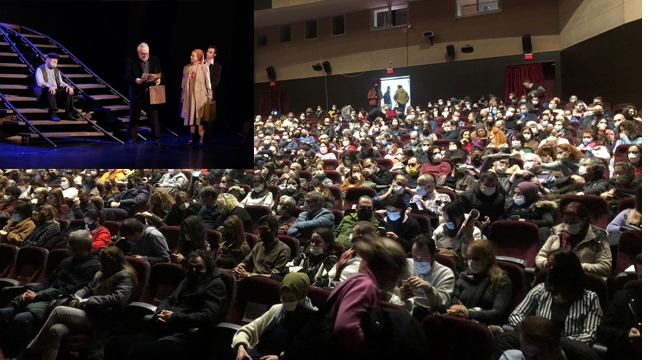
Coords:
pixel 74 58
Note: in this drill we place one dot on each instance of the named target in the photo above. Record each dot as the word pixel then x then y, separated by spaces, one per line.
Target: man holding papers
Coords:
pixel 141 74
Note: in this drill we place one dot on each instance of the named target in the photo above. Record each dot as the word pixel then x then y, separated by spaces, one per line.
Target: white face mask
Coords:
pixel 501 169
pixel 528 165
pixel 437 157
pixel 516 143
pixel 452 148
pixel 558 127
pixel 320 172
pixel 425 148
pixel 290 306
pixel 582 171
pixel 519 200
pixel 422 267
pixel 292 188
pixel 508 113
pixel 602 126
pixel 346 143
pixel 258 189
pixel 572 229
pixel 527 137
pixel 633 157
pixel 65 185
pixel 316 250
pixel 544 123
pixel 488 190
pixel 475 267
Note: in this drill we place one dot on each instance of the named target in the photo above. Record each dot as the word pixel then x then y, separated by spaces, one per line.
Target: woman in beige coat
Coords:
pixel 195 92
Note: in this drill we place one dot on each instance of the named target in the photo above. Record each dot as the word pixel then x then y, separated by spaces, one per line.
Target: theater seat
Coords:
pixel 385 164
pixel 620 154
pixel 452 195
pixel 274 190
pixel 214 239
pixel 334 175
pixel 519 285
pixel 54 259
pixel 163 280
pixel 338 197
pixel 458 339
pixel 447 261
pixel 251 239
pixel 257 212
pixel 143 269
pixel 173 236
pixel 626 203
pixel 596 205
pixel 353 194
pixel 330 164
pixel 255 295
pixel 629 246
pixel 517 239
pixel 99 203
pixel 292 243
pixel 423 221
pixel 8 255
pixel 112 226
pixel 338 216
pixel 318 296
pixel 30 263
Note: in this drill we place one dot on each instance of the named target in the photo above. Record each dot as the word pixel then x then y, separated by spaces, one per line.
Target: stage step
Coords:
pixel 68 66
pixel 14 76
pixel 48 122
pixel 104 97
pixel 12 65
pixel 117 107
pixel 33 36
pixel 125 119
pixel 78 76
pixel 49 46
pixel 64 134
pixel 4 43
pixel 33 111
pixel 20 98
pixel 8 54
pixel 90 86
pixel 14 87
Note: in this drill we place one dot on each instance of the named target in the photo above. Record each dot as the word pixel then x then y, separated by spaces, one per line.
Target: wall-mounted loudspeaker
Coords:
pixel 526 44
pixel 467 49
pixel 327 67
pixel 270 71
pixel 451 51
pixel 261 41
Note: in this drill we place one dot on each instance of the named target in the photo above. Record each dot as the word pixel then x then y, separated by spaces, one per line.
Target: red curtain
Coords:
pixel 516 74
pixel 273 99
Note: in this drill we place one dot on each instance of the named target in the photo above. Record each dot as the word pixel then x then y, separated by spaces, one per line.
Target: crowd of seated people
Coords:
pixel 344 208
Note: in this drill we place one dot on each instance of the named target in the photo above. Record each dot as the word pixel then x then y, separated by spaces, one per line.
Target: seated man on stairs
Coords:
pixel 50 88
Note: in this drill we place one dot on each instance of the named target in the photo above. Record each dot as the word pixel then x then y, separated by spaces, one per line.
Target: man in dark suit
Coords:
pixel 139 90
pixel 214 70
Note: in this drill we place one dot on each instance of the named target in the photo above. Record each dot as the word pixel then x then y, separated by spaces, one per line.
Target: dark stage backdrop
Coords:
pixel 607 65
pixel 103 34
pixel 428 82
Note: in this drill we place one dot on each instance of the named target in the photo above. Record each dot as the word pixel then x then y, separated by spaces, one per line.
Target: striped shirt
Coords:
pixel 581 323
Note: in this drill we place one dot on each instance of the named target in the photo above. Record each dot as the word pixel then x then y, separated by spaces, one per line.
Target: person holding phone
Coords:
pixel 400 226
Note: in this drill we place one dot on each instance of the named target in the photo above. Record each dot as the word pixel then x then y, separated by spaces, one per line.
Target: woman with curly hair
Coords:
pixel 497 138
pixel 161 204
pixel 228 205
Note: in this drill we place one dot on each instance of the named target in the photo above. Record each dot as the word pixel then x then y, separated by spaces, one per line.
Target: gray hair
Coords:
pixel 289 202
pixel 316 196
pixel 83 238
pixel 596 165
pixel 141 45
pixel 532 157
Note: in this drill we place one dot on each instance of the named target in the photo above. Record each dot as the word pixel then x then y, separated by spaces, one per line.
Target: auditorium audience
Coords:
pixel 123 203
pixel 94 225
pixel 234 248
pixel 146 243
pixel 19 226
pixel 267 256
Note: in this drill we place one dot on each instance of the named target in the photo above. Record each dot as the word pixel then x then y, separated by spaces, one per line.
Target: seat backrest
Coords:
pixel 626 203
pixel 330 164
pixel 385 164
pixel 338 197
pixel 112 226
pixel 620 153
pixel 99 203
pixel 516 239
pixel 63 224
pixel 274 190
pixel 163 280
pixel 188 175
pixel 442 143
pixel 7 258
pixel 30 263
pixel 306 174
pixel 629 246
pixel 352 195
pixel 292 243
pixel 251 239
pixel 518 280
pixel 318 296
pixel 447 261
pixel 231 283
pixel 256 212
pixel 255 295
pixel 596 205
pixel 173 236
pixel 338 216
pixel 54 259
pixel 77 224
pixel 451 338
pixel 5 219
pixel 143 269
pixel 214 239
pixel 423 221
pixel 333 175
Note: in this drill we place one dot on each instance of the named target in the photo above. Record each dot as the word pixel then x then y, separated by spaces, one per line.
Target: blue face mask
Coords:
pixel 306 209
pixel 450 225
pixel 87 187
pixel 523 112
pixel 384 142
pixel 416 127
pixel 16 217
pixel 393 215
pixel 494 111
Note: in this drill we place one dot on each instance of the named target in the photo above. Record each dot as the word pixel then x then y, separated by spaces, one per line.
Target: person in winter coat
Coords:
pixel 593 171
pixel 363 212
pixel 20 320
pixel 197 302
pixel 314 216
pixel 94 223
pixel 577 234
pixel 19 226
pixel 485 198
pixel 526 205
pixel 46 232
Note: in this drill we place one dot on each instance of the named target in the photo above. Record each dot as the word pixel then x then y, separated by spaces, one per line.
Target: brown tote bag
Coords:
pixel 157 94
pixel 210 111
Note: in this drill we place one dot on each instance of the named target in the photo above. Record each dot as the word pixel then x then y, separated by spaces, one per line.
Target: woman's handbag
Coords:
pixel 157 94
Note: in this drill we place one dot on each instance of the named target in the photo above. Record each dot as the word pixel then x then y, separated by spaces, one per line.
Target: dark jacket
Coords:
pixel 298 195
pixel 46 236
pixel 596 187
pixel 539 213
pixel 104 303
pixel 78 211
pixel 133 71
pixel 176 215
pixel 473 291
pixel 152 247
pixel 405 231
pixel 491 206
pixel 208 216
pixel 624 314
pixel 71 275
pixel 131 197
pixel 374 113
pixel 200 304
pixel 239 212
pixel 452 135
pixel 243 178
pixel 215 76
pixel 382 177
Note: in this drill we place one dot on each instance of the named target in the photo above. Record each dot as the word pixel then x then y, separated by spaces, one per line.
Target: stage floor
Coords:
pixel 227 150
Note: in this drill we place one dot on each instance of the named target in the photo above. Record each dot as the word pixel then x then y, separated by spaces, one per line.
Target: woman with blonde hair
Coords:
pixel 234 247
pixel 195 92
pixel 483 291
pixel 90 308
pixel 110 189
pixel 228 205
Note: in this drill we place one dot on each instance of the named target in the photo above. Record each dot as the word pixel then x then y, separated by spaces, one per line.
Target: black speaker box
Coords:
pixel 526 44
pixel 270 71
pixel 327 67
pixel 451 51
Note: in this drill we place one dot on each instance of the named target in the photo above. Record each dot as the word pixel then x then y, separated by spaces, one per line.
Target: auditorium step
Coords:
pixel 90 86
pixel 13 65
pixel 14 76
pixel 49 46
pixel 8 54
pixel 14 87
pixel 48 122
pixel 125 119
pixel 105 97
pixel 78 76
pixel 117 107
pixel 20 98
pixel 63 134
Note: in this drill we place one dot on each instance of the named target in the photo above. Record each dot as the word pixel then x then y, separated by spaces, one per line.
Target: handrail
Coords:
pixel 9 104
pixel 142 112
pixel 70 82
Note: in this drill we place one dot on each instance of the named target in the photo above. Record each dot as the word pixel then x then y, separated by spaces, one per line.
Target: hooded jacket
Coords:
pixel 593 251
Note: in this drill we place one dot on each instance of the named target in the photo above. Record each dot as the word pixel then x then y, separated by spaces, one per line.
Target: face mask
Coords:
pixel 602 126
pixel 130 185
pixel 544 123
pixel 516 143
pixel 474 267
pixel 450 225
pixel 267 236
pixel 364 214
pixel 508 113
pixel 7 198
pixel 633 157
pixel 260 136
pixel 551 106
pixel 523 111
pixel 42 219
pixel 533 130
pixel 413 171
pixel 320 172
pixel 461 168
pixel 290 306
pixel 15 218
pixel 393 215
pixel 372 170
pixel 501 169
pixel 598 113
pixel 452 148
pixel 258 189
pixel 422 267
pixel 292 187
pixel 528 165
pixel 346 143
pixel 488 190
pixel 455 118
pixel 519 200
pixel 316 250
pixel 527 137
pixel 572 229
pixel 535 102
pixel 558 127
pixel 195 276
pixel 399 190
pixel 65 185
pixel 266 142
pixel 573 100
pixel 292 172
pixel 447 129
pixel 323 150
pixel 425 148
pixel 586 141
pixel 421 190
pixel 582 171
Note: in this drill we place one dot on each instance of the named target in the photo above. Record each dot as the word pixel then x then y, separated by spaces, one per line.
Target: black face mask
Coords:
pixel 195 276
pixel 426 132
pixel 598 113
pixel 42 219
pixel 130 185
pixel 266 236
pixel 91 227
pixel 364 215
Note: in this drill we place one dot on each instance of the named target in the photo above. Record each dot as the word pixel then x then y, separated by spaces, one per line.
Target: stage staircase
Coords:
pixel 98 105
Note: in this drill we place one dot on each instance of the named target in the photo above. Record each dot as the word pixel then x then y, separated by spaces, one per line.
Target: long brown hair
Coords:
pixel 57 194
pixel 574 153
pixel 113 261
pixel 485 251
pixel 237 226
